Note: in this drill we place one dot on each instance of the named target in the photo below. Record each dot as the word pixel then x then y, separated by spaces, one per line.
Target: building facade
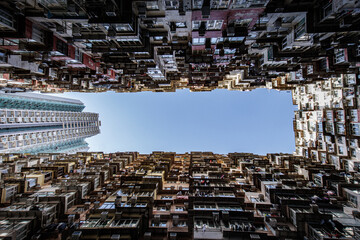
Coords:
pixel 34 123
pixel 165 195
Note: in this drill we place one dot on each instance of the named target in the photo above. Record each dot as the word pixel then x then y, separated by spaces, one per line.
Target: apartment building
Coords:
pixel 165 195
pixel 325 125
pixel 131 46
pixel 42 123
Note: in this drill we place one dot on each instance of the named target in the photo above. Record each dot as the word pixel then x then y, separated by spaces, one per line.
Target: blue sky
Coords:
pixel 220 121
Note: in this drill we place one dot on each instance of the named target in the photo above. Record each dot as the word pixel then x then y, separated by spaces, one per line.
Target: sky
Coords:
pixel 220 121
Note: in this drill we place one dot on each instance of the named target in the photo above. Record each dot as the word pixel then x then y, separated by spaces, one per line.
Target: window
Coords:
pixel 236 39
pixel 243 22
pixel 353 152
pixel 37 35
pixel 288 19
pixel 353 142
pixel 6 18
pixel 161 208
pixel 270 54
pixel 310 69
pixel 9 42
pixel 166 197
pixel 340 115
pixel 195 25
pixel 61 47
pixel 214 24
pixel 214 41
pixel 219 3
pixel 2 57
pixel 204 207
pixel 197 4
pixel 181 224
pixel 125 27
pixel 171 5
pixel 340 55
pixel 248 3
pixel 226 51
pixel 356 166
pixel 160 224
pixel 152 6
pixel 352 199
pixel 180 209
pixel 78 55
pixel 327 9
pixel 293 217
pixel 329 115
pixel 341 150
pixel 300 29
pixel 323 64
pixel 323 156
pixel 198 41
pixel 180 24
pixel 355 129
pixel 210 24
